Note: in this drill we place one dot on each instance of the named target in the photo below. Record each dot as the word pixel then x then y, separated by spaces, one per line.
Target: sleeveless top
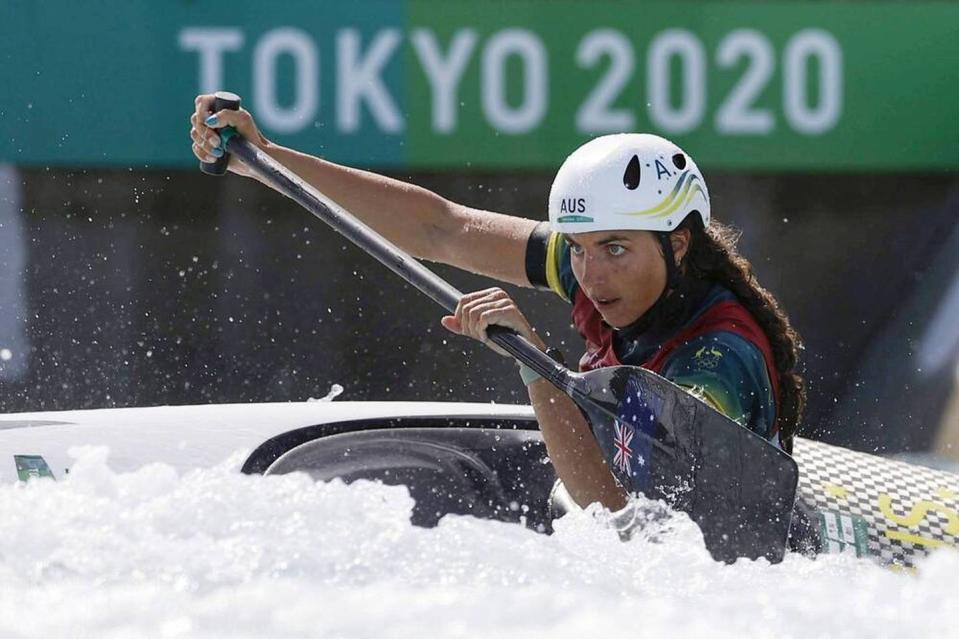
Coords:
pixel 717 350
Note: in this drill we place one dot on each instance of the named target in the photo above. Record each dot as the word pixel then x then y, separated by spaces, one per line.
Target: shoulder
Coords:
pixel 730 372
pixel 720 351
pixel 547 263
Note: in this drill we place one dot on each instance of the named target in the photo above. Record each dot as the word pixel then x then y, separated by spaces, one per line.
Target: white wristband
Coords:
pixel 528 375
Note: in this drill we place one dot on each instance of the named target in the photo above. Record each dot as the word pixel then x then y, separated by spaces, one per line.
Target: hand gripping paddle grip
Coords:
pixel 223 100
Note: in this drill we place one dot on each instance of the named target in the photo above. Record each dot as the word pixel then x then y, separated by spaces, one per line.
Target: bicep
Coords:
pixel 486 243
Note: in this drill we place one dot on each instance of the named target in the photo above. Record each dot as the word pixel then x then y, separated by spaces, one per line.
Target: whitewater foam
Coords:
pixel 214 553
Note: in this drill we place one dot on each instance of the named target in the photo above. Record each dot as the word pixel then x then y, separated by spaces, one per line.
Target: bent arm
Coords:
pixel 573 450
pixel 418 220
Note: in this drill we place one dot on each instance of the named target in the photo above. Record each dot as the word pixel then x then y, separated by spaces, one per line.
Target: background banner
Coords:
pixel 807 86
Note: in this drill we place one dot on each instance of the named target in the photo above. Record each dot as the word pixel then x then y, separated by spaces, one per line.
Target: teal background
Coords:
pixel 104 82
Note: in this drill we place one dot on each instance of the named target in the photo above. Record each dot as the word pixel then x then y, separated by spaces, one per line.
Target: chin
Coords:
pixel 621 320
pixel 615 322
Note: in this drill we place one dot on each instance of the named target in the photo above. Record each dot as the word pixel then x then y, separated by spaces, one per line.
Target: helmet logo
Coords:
pixel 572 209
pixel 572 205
pixel 632 175
pixel 661 170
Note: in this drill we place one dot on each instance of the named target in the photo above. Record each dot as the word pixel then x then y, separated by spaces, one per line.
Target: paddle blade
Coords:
pixel 661 441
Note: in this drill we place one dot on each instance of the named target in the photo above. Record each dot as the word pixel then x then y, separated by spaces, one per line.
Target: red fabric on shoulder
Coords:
pixel 727 315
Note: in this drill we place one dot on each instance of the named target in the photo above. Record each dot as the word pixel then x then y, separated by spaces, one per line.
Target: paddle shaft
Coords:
pixel 394 258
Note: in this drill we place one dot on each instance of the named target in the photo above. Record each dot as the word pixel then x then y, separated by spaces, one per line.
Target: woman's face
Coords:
pixel 622 272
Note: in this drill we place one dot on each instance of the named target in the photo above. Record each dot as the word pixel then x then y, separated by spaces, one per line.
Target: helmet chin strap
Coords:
pixel 673 277
pixel 672 271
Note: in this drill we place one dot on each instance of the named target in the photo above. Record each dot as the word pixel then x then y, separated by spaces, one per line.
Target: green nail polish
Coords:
pixel 211 121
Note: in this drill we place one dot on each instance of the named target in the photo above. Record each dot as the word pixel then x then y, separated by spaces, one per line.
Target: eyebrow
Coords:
pixel 604 241
pixel 613 238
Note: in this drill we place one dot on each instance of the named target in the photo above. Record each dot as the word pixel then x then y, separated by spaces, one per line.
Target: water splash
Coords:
pixel 335 391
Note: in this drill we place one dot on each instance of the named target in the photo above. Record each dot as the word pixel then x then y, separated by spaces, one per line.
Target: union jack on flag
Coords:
pixel 623 454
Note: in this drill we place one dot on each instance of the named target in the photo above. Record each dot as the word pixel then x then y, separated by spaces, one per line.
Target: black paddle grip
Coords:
pixel 222 100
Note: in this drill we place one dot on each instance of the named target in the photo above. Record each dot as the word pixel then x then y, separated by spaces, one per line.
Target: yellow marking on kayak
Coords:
pixel 901 569
pixel 917 540
pixel 918 512
pixel 947 493
pixel 835 490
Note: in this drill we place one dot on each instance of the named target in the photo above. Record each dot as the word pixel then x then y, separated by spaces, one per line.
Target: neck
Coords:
pixel 672 310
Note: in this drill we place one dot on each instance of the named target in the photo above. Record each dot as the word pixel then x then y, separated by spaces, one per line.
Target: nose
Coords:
pixel 592 272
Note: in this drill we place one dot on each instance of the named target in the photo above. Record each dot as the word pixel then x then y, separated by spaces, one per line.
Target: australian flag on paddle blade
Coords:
pixel 629 443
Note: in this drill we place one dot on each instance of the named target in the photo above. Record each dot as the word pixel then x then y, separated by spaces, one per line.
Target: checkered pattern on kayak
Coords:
pixel 924 502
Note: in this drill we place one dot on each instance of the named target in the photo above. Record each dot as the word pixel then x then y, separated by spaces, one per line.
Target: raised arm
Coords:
pixel 417 220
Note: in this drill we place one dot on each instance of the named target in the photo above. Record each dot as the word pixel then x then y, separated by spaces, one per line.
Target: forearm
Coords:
pixel 573 450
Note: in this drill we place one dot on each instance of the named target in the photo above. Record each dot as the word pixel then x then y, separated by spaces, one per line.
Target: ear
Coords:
pixel 680 240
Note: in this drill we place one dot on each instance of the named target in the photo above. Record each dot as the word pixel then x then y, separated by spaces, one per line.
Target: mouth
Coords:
pixel 604 303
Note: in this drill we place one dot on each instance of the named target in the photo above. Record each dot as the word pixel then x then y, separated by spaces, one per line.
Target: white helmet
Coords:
pixel 627 181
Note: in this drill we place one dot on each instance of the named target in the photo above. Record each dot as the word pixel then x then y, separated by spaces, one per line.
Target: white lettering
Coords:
pixel 738 113
pixel 597 114
pixel 444 75
pixel 801 48
pixel 210 43
pixel 299 45
pixel 687 47
pixel 532 54
pixel 358 80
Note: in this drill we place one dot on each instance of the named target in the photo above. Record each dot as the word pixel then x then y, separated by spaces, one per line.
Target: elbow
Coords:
pixel 440 230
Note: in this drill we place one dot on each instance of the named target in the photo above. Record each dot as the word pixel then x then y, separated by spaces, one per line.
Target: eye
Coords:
pixel 575 249
pixel 615 249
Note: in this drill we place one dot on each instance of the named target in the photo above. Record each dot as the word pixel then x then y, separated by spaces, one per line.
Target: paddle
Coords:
pixel 658 439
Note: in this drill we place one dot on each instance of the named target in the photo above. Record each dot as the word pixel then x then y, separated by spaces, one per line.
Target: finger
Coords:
pixel 467 316
pixel 226 117
pixel 455 321
pixel 203 106
pixel 494 317
pixel 476 314
pixel 498 313
pixel 470 300
pixel 470 306
pixel 474 310
pixel 486 292
pixel 202 155
pixel 451 324
pixel 208 142
pixel 204 136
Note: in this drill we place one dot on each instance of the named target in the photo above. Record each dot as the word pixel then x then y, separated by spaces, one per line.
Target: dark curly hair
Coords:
pixel 712 257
